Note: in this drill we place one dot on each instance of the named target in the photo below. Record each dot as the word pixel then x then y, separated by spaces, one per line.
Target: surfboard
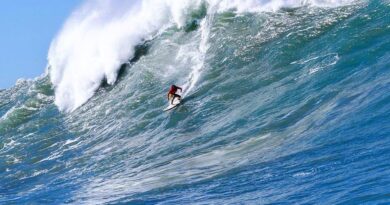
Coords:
pixel 176 102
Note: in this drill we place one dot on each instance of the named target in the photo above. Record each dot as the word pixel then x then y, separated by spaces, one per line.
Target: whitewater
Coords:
pixel 285 102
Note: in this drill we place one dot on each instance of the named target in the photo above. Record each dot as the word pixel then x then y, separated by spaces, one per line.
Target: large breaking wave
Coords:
pixel 102 35
pixel 286 102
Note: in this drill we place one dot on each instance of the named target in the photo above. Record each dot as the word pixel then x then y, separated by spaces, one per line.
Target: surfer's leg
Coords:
pixel 178 96
pixel 175 96
pixel 170 98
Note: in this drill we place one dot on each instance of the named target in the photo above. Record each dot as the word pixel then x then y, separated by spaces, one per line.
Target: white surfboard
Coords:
pixel 176 102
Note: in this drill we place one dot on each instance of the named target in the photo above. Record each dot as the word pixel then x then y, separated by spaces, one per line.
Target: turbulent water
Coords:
pixel 285 103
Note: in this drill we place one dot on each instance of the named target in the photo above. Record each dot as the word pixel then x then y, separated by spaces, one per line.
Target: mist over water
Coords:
pixel 284 102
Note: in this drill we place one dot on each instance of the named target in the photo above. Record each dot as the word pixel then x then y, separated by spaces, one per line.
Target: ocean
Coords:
pixel 284 102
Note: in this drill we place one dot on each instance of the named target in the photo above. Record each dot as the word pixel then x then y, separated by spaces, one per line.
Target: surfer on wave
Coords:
pixel 172 93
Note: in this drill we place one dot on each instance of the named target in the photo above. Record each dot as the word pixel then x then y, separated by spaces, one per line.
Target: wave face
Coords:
pixel 285 102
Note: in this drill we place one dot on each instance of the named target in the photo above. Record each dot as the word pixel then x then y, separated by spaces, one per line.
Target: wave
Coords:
pixel 101 36
pixel 280 104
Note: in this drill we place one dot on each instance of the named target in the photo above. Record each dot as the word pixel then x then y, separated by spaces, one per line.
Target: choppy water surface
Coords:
pixel 282 107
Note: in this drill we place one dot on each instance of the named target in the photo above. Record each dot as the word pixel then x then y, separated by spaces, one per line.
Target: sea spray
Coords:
pixel 199 57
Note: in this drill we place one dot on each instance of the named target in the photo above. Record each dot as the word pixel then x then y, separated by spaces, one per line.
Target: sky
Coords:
pixel 27 28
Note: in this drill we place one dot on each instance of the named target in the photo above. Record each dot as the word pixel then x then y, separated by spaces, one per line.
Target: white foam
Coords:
pixel 199 57
pixel 7 114
pixel 101 35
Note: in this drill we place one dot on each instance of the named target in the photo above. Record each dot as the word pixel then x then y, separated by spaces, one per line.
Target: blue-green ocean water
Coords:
pixel 288 107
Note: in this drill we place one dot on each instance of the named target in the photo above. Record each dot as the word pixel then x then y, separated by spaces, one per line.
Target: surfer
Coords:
pixel 172 93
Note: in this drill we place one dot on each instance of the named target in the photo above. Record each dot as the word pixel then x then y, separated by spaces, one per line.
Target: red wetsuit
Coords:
pixel 173 89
